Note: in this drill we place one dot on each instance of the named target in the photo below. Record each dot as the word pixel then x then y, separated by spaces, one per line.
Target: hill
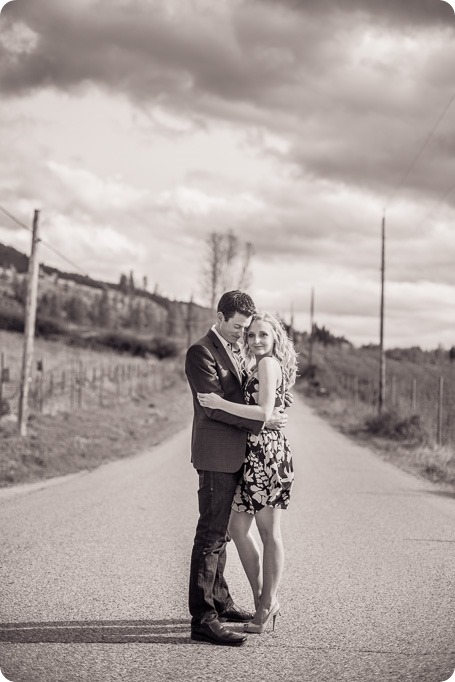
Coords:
pixel 77 302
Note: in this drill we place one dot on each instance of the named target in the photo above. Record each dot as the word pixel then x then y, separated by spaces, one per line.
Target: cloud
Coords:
pixel 316 73
pixel 294 123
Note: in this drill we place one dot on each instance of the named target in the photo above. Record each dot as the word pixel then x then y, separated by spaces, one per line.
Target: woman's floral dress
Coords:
pixel 268 473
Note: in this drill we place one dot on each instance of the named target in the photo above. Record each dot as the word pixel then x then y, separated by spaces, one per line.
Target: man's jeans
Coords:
pixel 209 593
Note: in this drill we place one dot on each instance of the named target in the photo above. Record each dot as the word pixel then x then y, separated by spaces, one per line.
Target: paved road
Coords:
pixel 95 568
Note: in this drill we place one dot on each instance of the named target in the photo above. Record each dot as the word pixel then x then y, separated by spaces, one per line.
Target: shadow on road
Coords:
pixel 170 631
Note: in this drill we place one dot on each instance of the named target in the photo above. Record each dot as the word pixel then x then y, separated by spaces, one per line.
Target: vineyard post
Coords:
pixel 51 384
pixel 441 395
pixel 2 362
pixel 72 388
pixel 41 391
pixel 80 382
pixel 381 326
pixel 101 399
pixel 117 383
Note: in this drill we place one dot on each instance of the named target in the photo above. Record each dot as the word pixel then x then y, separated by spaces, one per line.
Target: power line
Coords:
pixel 49 246
pixel 16 220
pixel 420 152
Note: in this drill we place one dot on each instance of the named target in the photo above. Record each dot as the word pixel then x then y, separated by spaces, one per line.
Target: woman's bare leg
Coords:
pixel 268 523
pixel 240 531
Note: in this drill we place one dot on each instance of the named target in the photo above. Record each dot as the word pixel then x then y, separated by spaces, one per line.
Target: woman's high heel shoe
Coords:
pixel 254 629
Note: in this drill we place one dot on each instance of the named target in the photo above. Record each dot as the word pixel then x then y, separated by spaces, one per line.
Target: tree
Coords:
pixel 123 284
pixel 101 311
pixel 452 354
pixel 226 265
pixel 76 310
pixel 131 285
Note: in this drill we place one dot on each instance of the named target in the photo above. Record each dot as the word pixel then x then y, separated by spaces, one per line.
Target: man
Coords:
pixel 215 364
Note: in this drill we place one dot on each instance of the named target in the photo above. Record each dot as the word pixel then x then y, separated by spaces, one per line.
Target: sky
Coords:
pixel 139 127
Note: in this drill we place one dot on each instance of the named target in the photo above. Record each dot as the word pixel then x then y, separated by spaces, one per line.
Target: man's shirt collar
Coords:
pixel 225 343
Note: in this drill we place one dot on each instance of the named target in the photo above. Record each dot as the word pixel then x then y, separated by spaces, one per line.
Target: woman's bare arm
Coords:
pixel 269 375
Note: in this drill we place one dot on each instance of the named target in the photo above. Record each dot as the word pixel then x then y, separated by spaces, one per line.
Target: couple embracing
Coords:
pixel 240 374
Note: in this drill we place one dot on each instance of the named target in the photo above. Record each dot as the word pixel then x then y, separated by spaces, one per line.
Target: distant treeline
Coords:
pixel 69 300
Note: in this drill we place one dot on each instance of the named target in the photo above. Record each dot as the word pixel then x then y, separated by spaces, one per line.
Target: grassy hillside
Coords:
pixel 416 429
pixel 137 403
pixel 75 301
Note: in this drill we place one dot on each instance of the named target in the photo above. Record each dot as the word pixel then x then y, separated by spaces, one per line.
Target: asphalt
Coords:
pixel 94 572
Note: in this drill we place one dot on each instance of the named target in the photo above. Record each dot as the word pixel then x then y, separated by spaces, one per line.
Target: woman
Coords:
pixel 265 487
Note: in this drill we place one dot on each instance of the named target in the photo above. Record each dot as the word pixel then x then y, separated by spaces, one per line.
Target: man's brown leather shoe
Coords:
pixel 236 615
pixel 216 633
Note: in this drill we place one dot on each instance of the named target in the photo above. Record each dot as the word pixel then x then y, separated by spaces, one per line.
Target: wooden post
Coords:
pixel 80 387
pixel 189 323
pixel 2 363
pixel 414 395
pixel 72 388
pixel 381 326
pixel 101 400
pixel 291 323
pixel 117 383
pixel 393 398
pixel 310 351
pixel 29 331
pixel 41 391
pixel 441 395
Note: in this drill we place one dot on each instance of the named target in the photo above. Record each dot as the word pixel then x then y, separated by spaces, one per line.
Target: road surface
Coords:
pixel 94 573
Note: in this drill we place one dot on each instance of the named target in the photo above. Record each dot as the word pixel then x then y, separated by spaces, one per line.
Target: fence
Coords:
pixel 86 386
pixel 433 400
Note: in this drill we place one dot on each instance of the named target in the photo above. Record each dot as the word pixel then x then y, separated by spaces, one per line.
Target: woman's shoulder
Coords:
pixel 270 363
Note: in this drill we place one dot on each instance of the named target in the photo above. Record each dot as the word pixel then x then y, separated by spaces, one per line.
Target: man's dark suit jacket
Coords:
pixel 218 440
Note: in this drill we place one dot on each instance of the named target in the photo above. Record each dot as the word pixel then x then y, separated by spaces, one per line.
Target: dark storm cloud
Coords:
pixel 407 13
pixel 137 50
pixel 356 118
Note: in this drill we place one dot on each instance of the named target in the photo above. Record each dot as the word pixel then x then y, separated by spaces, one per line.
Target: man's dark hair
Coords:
pixel 236 301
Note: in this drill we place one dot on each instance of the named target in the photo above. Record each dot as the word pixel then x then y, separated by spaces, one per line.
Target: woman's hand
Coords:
pixel 211 400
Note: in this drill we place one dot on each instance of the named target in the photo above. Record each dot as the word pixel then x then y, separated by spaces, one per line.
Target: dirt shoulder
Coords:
pixel 427 462
pixel 69 442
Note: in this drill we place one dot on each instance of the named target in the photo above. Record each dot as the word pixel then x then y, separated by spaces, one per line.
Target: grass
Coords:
pixel 68 442
pixel 397 439
pixel 62 440
pixel 55 354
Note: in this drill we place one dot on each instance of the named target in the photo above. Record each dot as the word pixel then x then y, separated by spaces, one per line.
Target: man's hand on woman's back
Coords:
pixel 277 421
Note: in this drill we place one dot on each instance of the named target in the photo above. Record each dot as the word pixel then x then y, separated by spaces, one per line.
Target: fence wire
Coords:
pixel 433 401
pixel 86 386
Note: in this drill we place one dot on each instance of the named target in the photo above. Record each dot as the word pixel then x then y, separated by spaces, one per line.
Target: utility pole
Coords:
pixel 189 322
pixel 29 332
pixel 310 353
pixel 381 326
pixel 291 323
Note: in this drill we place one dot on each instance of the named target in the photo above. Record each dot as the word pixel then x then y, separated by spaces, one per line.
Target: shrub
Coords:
pixel 163 347
pixel 392 425
pixel 5 407
pixel 47 326
pixel 12 321
pixel 160 346
pixel 123 342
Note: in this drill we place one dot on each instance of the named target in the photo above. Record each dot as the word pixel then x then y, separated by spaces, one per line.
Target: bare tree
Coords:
pixel 226 265
pixel 245 272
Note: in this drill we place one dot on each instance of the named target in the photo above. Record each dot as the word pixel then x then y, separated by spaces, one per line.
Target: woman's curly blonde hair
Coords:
pixel 283 347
